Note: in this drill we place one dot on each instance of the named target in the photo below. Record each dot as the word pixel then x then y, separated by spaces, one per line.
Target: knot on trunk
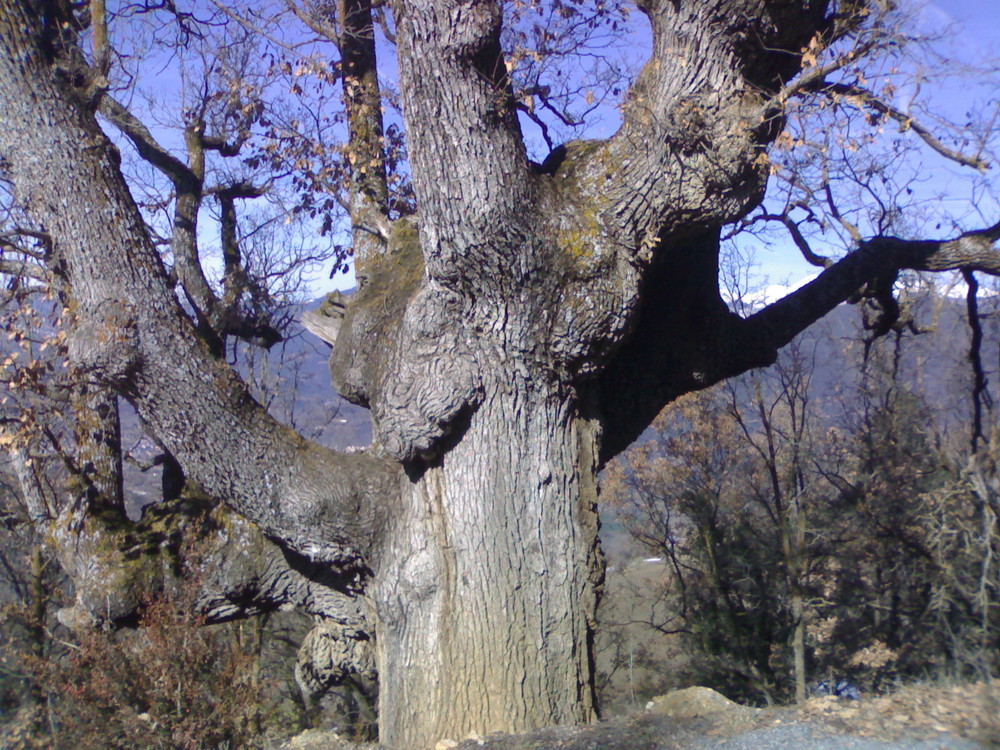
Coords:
pixel 103 344
pixel 331 653
pixel 118 565
pixel 401 350
pixel 433 379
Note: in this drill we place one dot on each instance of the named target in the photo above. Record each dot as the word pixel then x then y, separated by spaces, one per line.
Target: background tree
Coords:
pixel 869 484
pixel 523 327
pixel 730 491
pixel 919 534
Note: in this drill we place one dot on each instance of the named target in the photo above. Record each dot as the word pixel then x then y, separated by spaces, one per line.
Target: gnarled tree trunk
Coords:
pixel 524 327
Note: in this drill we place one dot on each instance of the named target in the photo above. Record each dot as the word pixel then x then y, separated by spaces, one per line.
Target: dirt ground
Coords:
pixel 918 718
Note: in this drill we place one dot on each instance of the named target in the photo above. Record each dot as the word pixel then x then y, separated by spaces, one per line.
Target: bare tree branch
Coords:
pixel 799 239
pixel 42 238
pixel 26 268
pixel 815 77
pixel 144 141
pixel 781 321
pixel 99 37
pixel 863 97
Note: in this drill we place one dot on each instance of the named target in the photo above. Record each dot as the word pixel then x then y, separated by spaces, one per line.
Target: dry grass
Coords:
pixel 969 710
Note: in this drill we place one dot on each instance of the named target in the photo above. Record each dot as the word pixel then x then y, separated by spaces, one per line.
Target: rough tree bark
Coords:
pixel 522 329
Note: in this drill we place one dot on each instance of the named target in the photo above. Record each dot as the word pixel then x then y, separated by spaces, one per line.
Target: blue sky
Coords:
pixel 974 27
pixel 973 36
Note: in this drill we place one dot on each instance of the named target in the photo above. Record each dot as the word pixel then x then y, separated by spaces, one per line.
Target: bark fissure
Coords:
pixel 493 588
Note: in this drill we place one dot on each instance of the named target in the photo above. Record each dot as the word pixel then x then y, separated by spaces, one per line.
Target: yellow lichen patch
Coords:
pixel 577 207
pixel 396 274
pixel 576 241
pixel 581 237
pixel 578 153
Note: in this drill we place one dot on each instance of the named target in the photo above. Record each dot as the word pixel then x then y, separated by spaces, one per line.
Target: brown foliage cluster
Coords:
pixel 969 710
pixel 171 683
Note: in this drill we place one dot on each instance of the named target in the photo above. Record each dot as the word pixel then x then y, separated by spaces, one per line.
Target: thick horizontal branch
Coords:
pixel 117 567
pixel 781 321
pixel 686 339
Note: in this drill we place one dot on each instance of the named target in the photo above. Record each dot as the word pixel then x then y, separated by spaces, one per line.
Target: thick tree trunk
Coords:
pixel 486 604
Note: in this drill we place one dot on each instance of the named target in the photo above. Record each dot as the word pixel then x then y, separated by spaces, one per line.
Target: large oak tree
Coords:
pixel 519 330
